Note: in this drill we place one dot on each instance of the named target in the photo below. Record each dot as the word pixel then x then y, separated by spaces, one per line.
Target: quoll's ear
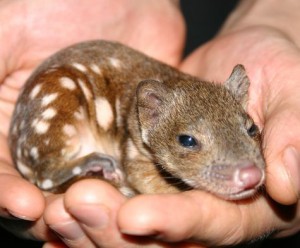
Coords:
pixel 151 95
pixel 238 84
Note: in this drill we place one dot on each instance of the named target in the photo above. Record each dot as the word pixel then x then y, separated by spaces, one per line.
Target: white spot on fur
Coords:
pixel 69 130
pixel 19 152
pixel 35 91
pixel 104 113
pixel 23 138
pixel 46 184
pixel 47 142
pixel 95 68
pixel 79 115
pixel 49 113
pixel 22 125
pixel 145 136
pixel 115 62
pixel 85 89
pixel 77 171
pixel 40 126
pixel 15 129
pixel 119 119
pixel 51 69
pixel 18 108
pixel 26 153
pixel 132 151
pixel 79 67
pixel 49 99
pixel 34 152
pixel 24 169
pixel 126 191
pixel 67 83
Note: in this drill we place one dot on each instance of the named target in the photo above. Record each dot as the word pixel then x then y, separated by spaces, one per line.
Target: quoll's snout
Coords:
pixel 248 176
pixel 236 181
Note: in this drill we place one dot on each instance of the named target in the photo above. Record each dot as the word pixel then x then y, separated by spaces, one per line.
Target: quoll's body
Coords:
pixel 102 109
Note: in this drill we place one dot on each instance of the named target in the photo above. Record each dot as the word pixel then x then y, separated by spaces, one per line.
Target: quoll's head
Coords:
pixel 200 133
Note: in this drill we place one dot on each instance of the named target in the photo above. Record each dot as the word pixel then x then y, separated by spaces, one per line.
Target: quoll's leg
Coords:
pixel 97 165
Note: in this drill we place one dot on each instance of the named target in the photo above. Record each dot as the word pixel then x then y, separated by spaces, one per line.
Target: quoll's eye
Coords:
pixel 187 141
pixel 253 130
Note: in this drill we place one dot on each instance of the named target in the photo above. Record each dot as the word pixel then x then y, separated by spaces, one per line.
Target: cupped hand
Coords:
pixel 88 216
pixel 33 30
pixel 272 63
pixel 272 60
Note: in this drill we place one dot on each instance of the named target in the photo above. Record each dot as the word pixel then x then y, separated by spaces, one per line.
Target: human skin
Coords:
pixel 36 29
pixel 258 34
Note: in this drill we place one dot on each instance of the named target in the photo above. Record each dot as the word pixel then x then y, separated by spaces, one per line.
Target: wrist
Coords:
pixel 275 14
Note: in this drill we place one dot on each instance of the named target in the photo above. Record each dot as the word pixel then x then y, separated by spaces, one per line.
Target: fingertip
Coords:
pixel 93 191
pixel 55 211
pixel 283 177
pixel 281 149
pixel 81 195
pixel 54 245
pixel 18 196
pixel 136 216
pixel 166 217
pixel 93 204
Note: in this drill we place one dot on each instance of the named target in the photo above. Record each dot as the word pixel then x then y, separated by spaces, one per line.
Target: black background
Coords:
pixel 204 18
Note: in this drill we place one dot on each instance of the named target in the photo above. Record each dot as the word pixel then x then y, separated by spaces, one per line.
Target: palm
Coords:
pixel 273 68
pixel 272 62
pixel 40 28
pixel 45 28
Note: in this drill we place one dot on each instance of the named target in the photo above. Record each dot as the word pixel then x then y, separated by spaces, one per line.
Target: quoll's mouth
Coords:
pixel 239 195
pixel 231 183
pixel 244 183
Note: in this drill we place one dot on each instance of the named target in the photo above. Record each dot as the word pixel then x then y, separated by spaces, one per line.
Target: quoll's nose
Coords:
pixel 248 176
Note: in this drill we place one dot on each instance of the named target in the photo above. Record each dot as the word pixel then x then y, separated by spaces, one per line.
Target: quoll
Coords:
pixel 101 109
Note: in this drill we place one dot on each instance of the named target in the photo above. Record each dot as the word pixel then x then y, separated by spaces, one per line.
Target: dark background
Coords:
pixel 204 18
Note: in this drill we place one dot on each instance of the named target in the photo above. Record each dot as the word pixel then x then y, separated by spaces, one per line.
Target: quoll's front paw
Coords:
pixel 102 166
pixel 105 167
pixel 94 165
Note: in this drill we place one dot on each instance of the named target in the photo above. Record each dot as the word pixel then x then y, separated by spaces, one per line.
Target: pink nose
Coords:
pixel 248 176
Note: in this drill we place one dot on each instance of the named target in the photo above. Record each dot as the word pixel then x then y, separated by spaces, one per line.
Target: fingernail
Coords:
pixel 94 216
pixel 18 216
pixel 69 230
pixel 291 158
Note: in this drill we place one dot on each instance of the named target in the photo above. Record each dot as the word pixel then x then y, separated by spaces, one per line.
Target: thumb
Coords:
pixel 282 149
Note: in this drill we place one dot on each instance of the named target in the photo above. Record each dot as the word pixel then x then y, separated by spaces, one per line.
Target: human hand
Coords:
pixel 269 48
pixel 87 216
pixel 271 57
pixel 36 29
pixel 270 54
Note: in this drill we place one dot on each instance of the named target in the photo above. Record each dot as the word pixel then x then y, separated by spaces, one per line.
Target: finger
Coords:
pixel 275 110
pixel 282 152
pixel 24 227
pixel 95 205
pixel 198 216
pixel 64 225
pixel 18 196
